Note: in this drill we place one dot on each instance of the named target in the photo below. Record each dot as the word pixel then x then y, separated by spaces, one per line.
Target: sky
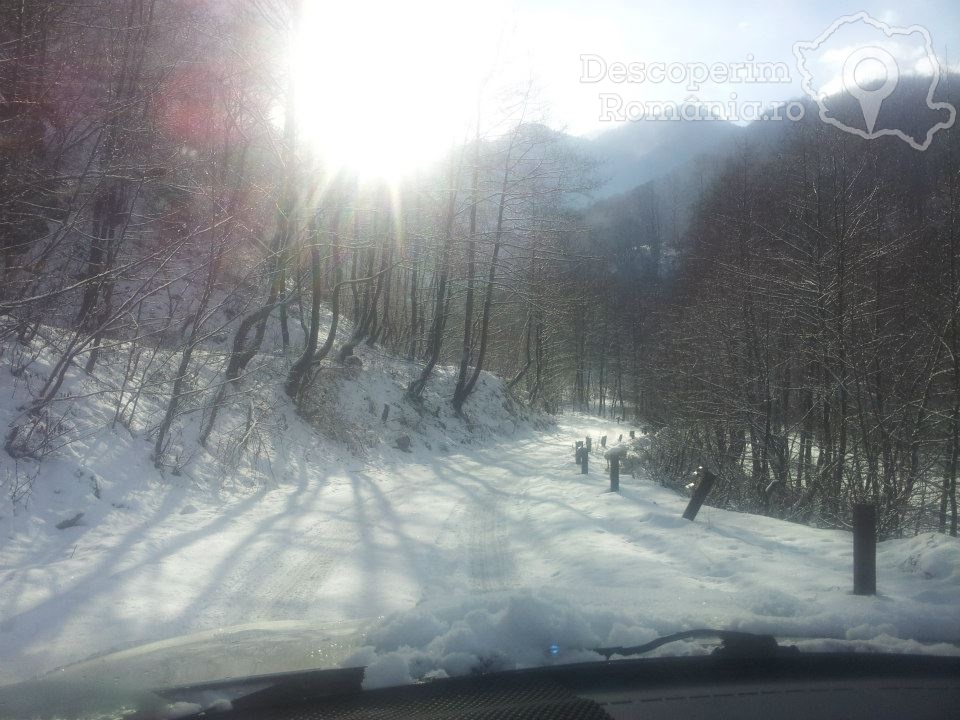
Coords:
pixel 553 35
pixel 385 84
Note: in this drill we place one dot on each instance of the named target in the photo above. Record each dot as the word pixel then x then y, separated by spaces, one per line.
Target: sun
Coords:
pixel 385 87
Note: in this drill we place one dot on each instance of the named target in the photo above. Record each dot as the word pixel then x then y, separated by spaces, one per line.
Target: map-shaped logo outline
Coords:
pixel 819 97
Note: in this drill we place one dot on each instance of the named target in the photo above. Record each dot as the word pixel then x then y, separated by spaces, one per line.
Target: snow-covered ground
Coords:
pixel 454 557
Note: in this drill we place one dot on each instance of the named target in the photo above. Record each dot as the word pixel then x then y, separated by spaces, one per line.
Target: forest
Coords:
pixel 785 311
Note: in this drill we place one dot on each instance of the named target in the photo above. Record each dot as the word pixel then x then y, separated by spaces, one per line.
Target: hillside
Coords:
pixel 635 153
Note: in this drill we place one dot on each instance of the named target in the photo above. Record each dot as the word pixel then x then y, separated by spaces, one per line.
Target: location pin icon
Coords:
pixel 870 100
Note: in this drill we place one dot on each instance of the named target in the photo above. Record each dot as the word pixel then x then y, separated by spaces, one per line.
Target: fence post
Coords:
pixel 603 441
pixel 615 473
pixel 703 487
pixel 633 434
pixel 865 549
pixel 585 455
pixel 589 444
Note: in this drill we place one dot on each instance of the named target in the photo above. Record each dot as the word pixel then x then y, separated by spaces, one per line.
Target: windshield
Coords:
pixel 445 338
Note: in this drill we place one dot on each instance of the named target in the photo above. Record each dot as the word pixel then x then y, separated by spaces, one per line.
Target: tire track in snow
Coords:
pixel 490 562
pixel 291 588
pixel 289 594
pixel 473 552
pixel 286 591
pixel 445 565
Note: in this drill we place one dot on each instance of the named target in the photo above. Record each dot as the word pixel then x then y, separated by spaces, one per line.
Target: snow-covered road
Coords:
pixel 498 549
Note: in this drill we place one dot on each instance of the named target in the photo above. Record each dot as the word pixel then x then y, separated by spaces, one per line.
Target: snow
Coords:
pixel 618 451
pixel 484 548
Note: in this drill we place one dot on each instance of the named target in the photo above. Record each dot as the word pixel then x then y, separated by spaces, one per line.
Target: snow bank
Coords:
pixel 349 405
pixel 510 631
pixel 929 555
pixel 482 634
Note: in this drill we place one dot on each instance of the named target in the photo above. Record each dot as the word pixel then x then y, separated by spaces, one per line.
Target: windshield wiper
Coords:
pixel 733 643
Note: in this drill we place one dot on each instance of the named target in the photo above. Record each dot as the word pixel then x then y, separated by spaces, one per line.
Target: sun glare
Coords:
pixel 383 87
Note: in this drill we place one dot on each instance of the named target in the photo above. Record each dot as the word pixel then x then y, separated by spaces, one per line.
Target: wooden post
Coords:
pixel 633 434
pixel 707 479
pixel 620 439
pixel 603 441
pixel 589 444
pixel 615 473
pixel 585 455
pixel 865 549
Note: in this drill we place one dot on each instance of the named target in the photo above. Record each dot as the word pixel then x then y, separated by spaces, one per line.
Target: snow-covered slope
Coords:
pixel 99 549
pixel 347 404
pixel 483 547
